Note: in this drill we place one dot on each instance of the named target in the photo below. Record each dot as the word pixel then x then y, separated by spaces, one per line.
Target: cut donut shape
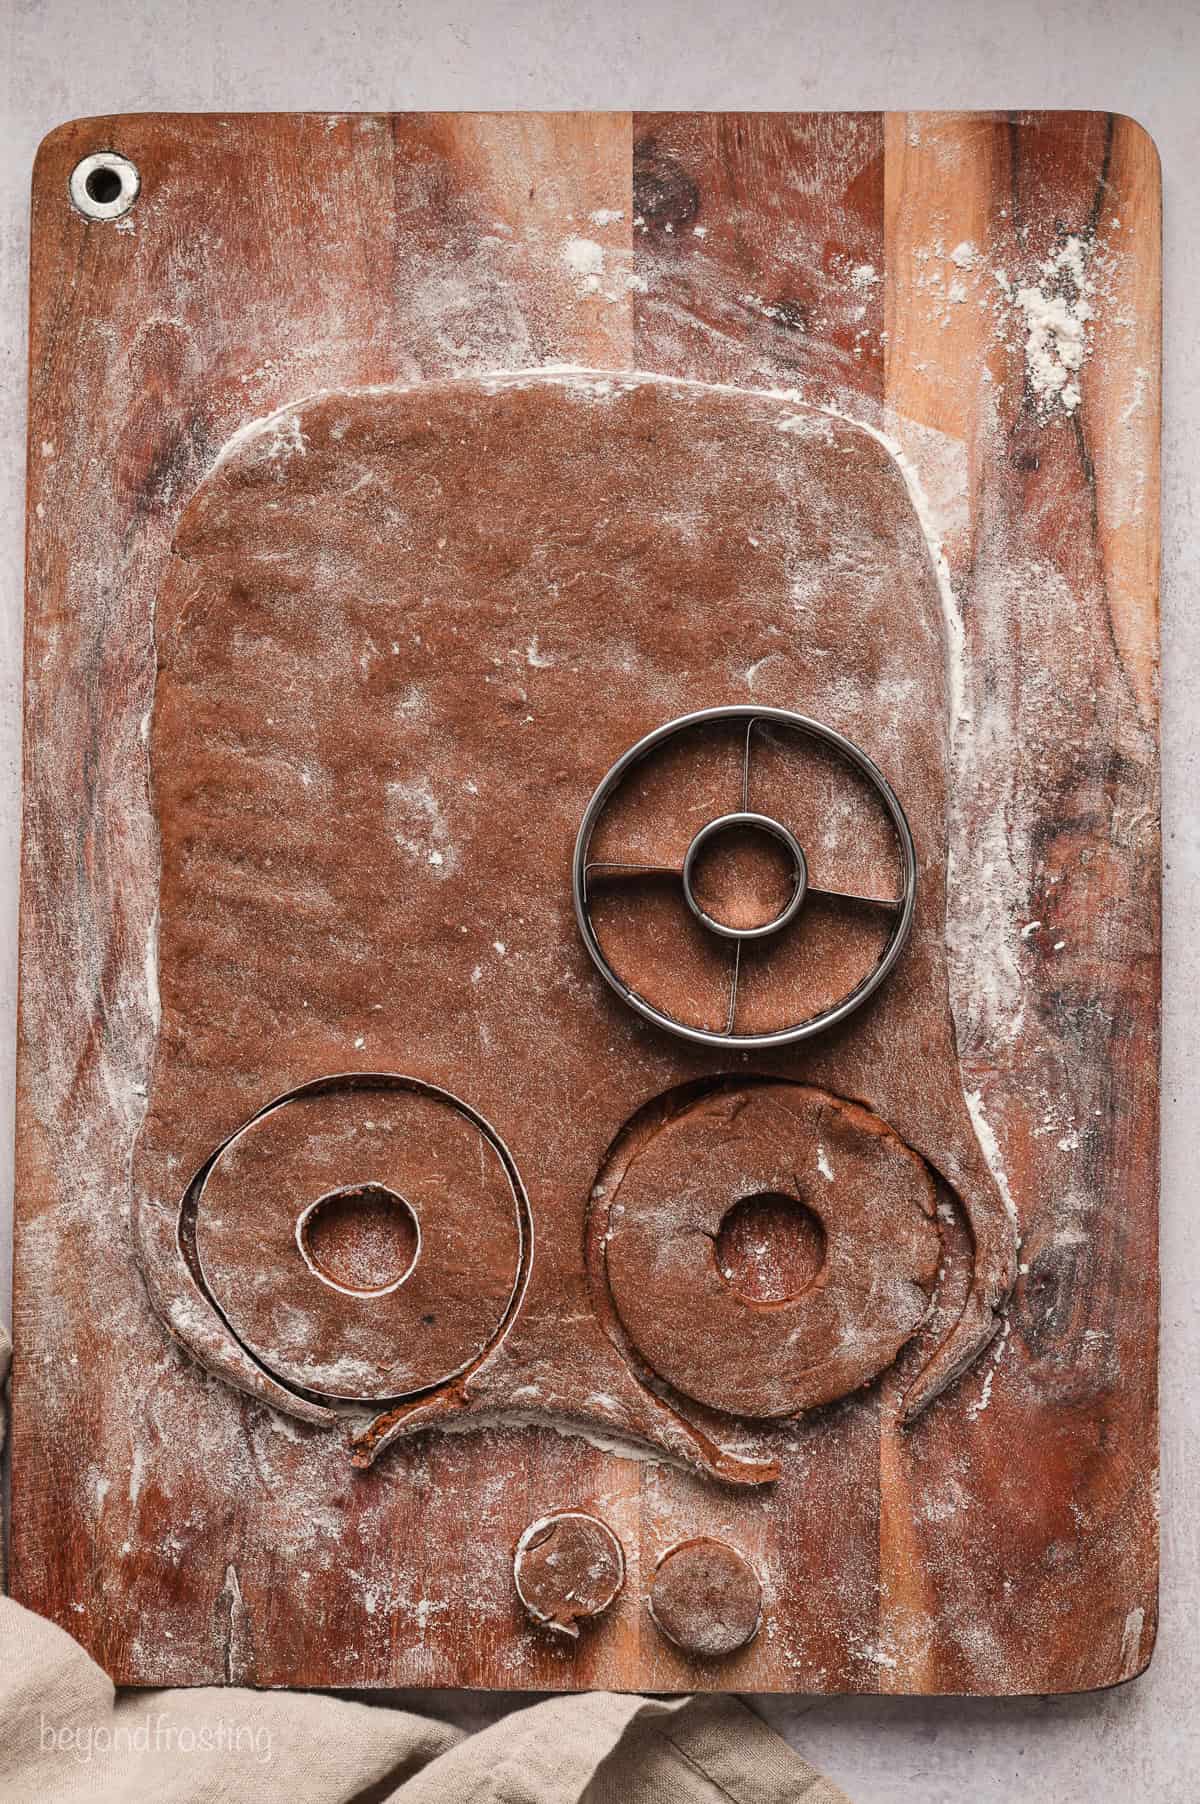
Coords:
pixel 413 1283
pixel 719 1342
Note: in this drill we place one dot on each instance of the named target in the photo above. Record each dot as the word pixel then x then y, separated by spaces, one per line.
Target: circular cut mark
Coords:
pixel 745 876
pixel 719 1171
pixel 379 1155
pixel 361 1238
pixel 770 1247
pixel 567 1569
pixel 706 1598
pixel 104 185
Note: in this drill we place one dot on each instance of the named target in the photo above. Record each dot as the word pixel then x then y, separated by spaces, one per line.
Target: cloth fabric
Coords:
pixel 68 1737
pixel 5 1363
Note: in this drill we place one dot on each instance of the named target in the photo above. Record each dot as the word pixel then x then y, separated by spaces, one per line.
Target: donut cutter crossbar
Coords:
pixel 586 871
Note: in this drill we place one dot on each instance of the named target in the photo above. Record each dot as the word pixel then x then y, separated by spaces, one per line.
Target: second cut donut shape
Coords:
pixel 429 1151
pixel 875 1200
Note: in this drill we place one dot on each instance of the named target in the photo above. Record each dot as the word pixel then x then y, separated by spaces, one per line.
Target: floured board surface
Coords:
pixel 588 1092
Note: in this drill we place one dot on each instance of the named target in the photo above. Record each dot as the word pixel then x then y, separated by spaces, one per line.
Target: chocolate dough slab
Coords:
pixel 403 635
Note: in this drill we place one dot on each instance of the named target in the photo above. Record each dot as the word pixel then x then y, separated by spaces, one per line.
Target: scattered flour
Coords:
pixel 976 1409
pixel 153 1000
pixel 1047 317
pixel 595 271
pixel 585 260
pixel 1057 312
pixel 286 441
pixel 1131 1642
pixel 421 830
pixel 985 1134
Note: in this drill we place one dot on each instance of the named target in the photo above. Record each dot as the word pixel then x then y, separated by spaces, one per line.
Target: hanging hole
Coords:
pixel 104 186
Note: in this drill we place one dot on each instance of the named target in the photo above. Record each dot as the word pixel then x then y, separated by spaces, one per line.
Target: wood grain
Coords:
pixel 1006 1541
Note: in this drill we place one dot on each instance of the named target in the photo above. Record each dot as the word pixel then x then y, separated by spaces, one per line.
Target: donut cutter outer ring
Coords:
pixel 903 906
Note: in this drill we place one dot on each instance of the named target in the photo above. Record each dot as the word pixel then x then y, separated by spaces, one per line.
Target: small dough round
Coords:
pixel 568 1568
pixel 706 1598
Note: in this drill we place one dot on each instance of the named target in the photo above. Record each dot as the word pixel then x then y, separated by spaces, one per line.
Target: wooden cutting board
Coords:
pixel 391 480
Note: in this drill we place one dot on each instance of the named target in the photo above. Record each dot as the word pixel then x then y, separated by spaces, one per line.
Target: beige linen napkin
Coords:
pixel 5 1363
pixel 68 1737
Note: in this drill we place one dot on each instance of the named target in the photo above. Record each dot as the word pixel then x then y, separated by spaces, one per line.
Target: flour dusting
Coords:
pixel 985 1134
pixel 585 260
pixel 1058 312
pixel 595 270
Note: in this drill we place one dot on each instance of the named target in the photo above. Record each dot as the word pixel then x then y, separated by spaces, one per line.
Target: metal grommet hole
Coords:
pixel 104 185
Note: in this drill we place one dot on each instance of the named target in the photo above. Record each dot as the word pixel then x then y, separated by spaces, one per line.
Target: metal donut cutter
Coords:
pixel 586 870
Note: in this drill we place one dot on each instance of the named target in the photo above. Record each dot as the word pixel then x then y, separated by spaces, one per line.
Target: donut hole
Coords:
pixel 362 1238
pixel 770 1247
pixel 743 877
